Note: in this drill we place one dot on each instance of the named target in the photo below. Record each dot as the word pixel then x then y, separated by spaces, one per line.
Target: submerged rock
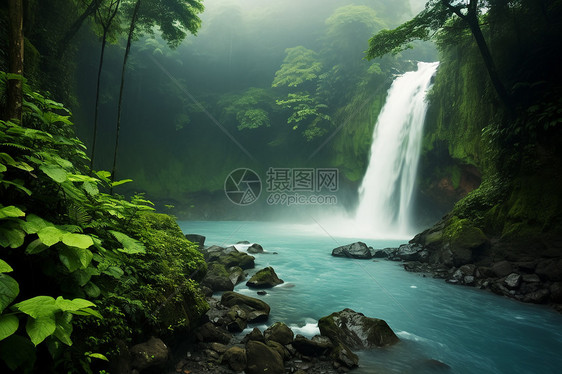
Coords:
pixel 354 250
pixel 356 331
pixel 265 278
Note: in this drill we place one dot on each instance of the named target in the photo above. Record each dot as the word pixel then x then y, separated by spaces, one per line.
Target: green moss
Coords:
pixel 217 269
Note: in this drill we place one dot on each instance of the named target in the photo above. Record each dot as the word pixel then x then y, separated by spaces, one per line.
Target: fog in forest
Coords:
pixel 194 113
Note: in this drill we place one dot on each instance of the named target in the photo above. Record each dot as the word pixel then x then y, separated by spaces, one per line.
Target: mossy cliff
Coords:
pixel 504 165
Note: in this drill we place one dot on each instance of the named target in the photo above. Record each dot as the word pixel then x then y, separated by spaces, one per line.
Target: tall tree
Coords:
pixel 90 10
pixel 432 19
pixel 105 18
pixel 132 26
pixel 14 105
pixel 174 19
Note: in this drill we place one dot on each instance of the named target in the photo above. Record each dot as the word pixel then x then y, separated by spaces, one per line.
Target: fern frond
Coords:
pixel 17 146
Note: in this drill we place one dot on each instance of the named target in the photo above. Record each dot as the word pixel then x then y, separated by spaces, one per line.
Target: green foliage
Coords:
pixel 173 18
pixel 306 111
pixel 80 243
pixel 301 65
pixel 421 27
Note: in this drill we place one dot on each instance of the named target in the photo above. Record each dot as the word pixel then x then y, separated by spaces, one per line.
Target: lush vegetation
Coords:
pixel 474 130
pixel 81 268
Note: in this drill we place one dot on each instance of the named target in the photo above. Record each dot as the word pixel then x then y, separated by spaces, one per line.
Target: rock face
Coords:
pixel 256 310
pixel 265 278
pixel 151 353
pixel 354 250
pixel 263 359
pixel 356 331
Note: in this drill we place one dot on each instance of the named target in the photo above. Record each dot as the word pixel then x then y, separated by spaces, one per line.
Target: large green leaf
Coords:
pixel 35 247
pixel 55 172
pixel 73 305
pixel 9 290
pixel 5 267
pixel 64 328
pixel 77 240
pixel 70 258
pixel 11 212
pixel 88 312
pixel 91 188
pixel 130 245
pixel 38 306
pixel 92 290
pixel 34 224
pixel 9 323
pixel 50 235
pixel 40 328
pixel 11 237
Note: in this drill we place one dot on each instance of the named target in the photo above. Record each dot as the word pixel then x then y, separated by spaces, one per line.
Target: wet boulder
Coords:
pixel 356 331
pixel 256 310
pixel 217 278
pixel 280 333
pixel 264 278
pixel 354 250
pixel 255 248
pixel 317 346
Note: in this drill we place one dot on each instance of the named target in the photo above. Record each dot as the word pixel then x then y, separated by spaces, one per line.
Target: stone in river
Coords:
pixel 264 278
pixel 353 250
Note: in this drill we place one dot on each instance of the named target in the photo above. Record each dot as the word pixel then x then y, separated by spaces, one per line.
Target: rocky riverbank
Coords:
pixel 220 345
pixel 474 260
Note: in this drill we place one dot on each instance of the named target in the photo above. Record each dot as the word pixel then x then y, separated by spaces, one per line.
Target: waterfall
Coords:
pixel 385 194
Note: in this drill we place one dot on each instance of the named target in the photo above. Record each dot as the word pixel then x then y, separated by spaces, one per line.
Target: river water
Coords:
pixel 470 330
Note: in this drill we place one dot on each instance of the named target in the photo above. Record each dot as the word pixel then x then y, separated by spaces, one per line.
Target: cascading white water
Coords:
pixel 385 195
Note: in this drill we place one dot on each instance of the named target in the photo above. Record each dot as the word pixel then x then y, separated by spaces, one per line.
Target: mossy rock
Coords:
pixel 239 259
pixel 356 331
pixel 265 278
pixel 279 332
pixel 248 303
pixel 466 241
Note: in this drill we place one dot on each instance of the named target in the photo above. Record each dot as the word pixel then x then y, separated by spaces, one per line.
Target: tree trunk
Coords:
pixel 501 91
pixel 15 96
pixel 106 24
pixel 65 41
pixel 471 19
pixel 96 110
pixel 119 104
